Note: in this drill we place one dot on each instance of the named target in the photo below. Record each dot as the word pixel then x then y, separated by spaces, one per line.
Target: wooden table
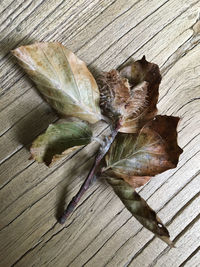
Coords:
pixel 101 232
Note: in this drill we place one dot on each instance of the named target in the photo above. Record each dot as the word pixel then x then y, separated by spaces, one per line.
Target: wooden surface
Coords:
pixel 101 232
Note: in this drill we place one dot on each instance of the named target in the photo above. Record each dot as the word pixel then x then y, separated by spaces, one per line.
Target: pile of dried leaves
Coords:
pixel 141 144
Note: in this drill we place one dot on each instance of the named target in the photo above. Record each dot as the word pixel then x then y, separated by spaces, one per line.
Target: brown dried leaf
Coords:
pixel 131 95
pixel 139 208
pixel 152 151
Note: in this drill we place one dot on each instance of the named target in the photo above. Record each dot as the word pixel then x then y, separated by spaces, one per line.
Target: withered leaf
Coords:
pixel 139 208
pixel 131 95
pixel 62 78
pixel 60 138
pixel 152 151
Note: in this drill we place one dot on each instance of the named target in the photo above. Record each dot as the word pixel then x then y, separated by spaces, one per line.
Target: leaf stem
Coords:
pixel 88 181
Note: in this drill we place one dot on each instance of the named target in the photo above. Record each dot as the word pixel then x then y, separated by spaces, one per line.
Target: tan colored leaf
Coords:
pixel 131 95
pixel 59 140
pixel 139 208
pixel 65 153
pixel 62 78
pixel 152 151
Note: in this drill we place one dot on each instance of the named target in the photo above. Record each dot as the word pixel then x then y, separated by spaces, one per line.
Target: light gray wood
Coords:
pixel 101 232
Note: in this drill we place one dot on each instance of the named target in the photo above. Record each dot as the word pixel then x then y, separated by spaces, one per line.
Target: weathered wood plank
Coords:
pixel 193 259
pixel 11 76
pixel 187 35
pixel 28 181
pixel 101 231
pixel 124 251
pixel 24 132
pixel 155 250
pixel 16 118
pixel 187 243
pixel 125 46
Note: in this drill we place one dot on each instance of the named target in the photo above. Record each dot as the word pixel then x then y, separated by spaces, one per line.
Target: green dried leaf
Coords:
pixel 136 158
pixel 62 78
pixel 139 208
pixel 60 138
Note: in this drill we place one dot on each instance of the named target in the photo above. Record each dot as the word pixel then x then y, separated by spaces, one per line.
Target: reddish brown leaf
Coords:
pixel 136 181
pixel 153 151
pixel 131 95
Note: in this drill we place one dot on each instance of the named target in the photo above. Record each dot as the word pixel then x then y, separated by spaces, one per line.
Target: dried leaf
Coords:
pixel 152 151
pixel 62 78
pixel 60 138
pixel 139 208
pixel 131 95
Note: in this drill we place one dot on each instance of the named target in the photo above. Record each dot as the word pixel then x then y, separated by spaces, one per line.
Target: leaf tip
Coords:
pixel 143 58
pixel 14 52
pixel 30 157
pixel 167 240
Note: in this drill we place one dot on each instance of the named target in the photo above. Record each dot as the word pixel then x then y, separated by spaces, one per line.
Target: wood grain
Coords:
pixel 101 232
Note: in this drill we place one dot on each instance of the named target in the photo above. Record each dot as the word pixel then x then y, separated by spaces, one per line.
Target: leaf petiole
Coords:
pixel 90 178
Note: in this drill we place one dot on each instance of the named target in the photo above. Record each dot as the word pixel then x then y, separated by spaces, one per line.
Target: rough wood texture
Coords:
pixel 101 232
